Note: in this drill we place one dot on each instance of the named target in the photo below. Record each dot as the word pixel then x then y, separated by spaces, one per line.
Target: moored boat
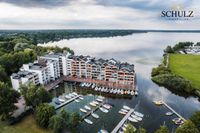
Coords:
pixel 76 100
pixel 102 131
pixel 132 119
pixel 126 107
pixel 88 121
pixel 83 110
pixel 158 103
pixel 138 114
pixel 61 100
pixel 122 112
pixel 103 110
pixel 93 104
pixel 169 113
pixel 87 107
pixel 95 115
pixel 107 106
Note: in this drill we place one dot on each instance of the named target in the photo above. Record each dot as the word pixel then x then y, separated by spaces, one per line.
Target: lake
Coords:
pixel 145 51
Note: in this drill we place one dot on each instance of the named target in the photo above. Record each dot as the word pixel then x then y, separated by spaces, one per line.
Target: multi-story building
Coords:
pixel 51 66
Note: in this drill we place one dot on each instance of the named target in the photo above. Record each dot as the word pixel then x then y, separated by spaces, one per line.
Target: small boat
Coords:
pixel 158 103
pixel 102 131
pixel 122 112
pixel 107 106
pixel 138 114
pixel 136 117
pixel 101 97
pixel 83 110
pixel 169 113
pixel 61 100
pixel 57 86
pixel 76 100
pixel 136 93
pixel 67 97
pixel 132 119
pixel 132 93
pixel 93 85
pixel 95 115
pixel 81 98
pixel 179 122
pixel 87 107
pixel 176 119
pixel 93 104
pixel 99 100
pixel 96 88
pixel 126 107
pixel 71 95
pixel 75 94
pixel 103 110
pixel 57 101
pixel 88 121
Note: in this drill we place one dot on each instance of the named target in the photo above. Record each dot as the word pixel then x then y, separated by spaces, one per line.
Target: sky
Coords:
pixel 96 14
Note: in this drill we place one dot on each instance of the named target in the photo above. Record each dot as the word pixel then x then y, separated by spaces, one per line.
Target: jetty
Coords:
pixel 67 102
pixel 93 110
pixel 166 105
pixel 119 125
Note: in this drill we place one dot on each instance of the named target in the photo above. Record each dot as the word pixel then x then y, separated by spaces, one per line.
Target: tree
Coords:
pixel 75 118
pixel 34 95
pixel 187 127
pixel 195 118
pixel 8 97
pixel 43 114
pixel 162 129
pixel 141 130
pixel 169 49
pixel 130 129
pixel 3 74
pixel 58 122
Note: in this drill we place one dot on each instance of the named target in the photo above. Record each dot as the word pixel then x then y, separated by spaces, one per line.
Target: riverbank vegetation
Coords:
pixel 179 72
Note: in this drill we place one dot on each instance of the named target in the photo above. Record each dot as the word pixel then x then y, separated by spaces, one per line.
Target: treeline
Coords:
pixel 164 77
pixel 19 49
pixel 180 47
pixel 44 36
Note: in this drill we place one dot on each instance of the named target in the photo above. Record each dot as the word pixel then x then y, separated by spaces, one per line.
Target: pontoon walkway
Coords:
pixel 122 121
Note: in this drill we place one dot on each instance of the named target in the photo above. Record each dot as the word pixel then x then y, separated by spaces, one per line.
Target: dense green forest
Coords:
pixel 44 36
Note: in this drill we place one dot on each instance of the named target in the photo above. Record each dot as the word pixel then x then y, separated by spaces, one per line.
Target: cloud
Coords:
pixel 90 14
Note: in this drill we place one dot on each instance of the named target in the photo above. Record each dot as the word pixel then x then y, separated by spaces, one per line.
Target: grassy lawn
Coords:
pixel 27 125
pixel 187 66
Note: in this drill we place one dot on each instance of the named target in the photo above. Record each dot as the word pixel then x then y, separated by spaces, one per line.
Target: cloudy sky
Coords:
pixel 95 14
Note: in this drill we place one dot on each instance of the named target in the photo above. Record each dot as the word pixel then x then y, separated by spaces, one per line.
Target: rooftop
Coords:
pixel 22 74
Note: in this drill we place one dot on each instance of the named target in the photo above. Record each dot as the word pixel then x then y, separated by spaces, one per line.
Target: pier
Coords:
pixel 66 102
pixel 119 125
pixel 88 113
pixel 173 111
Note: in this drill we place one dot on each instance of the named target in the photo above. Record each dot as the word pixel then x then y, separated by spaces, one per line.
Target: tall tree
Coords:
pixel 195 118
pixel 75 118
pixel 8 97
pixel 162 129
pixel 130 129
pixel 187 127
pixel 34 95
pixel 43 113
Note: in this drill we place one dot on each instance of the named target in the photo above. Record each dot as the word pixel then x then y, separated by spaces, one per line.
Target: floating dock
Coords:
pixel 119 125
pixel 66 102
pixel 173 111
pixel 88 113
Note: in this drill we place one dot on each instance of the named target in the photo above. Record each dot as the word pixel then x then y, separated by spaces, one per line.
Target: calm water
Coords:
pixel 145 51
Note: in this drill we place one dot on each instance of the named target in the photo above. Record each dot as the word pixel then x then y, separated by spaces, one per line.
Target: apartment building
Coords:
pixel 50 67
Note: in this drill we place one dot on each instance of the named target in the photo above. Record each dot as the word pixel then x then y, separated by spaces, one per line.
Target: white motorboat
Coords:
pixel 88 121
pixel 97 103
pixel 71 95
pixel 61 100
pixel 126 107
pixel 102 131
pixel 93 85
pixel 99 100
pixel 132 119
pixel 76 100
pixel 101 97
pixel 75 94
pixel 122 112
pixel 81 98
pixel 136 93
pixel 83 110
pixel 87 107
pixel 67 96
pixel 169 113
pixel 103 110
pixel 96 88
pixel 138 114
pixel 95 115
pixel 93 104
pixel 136 117
pixel 132 93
